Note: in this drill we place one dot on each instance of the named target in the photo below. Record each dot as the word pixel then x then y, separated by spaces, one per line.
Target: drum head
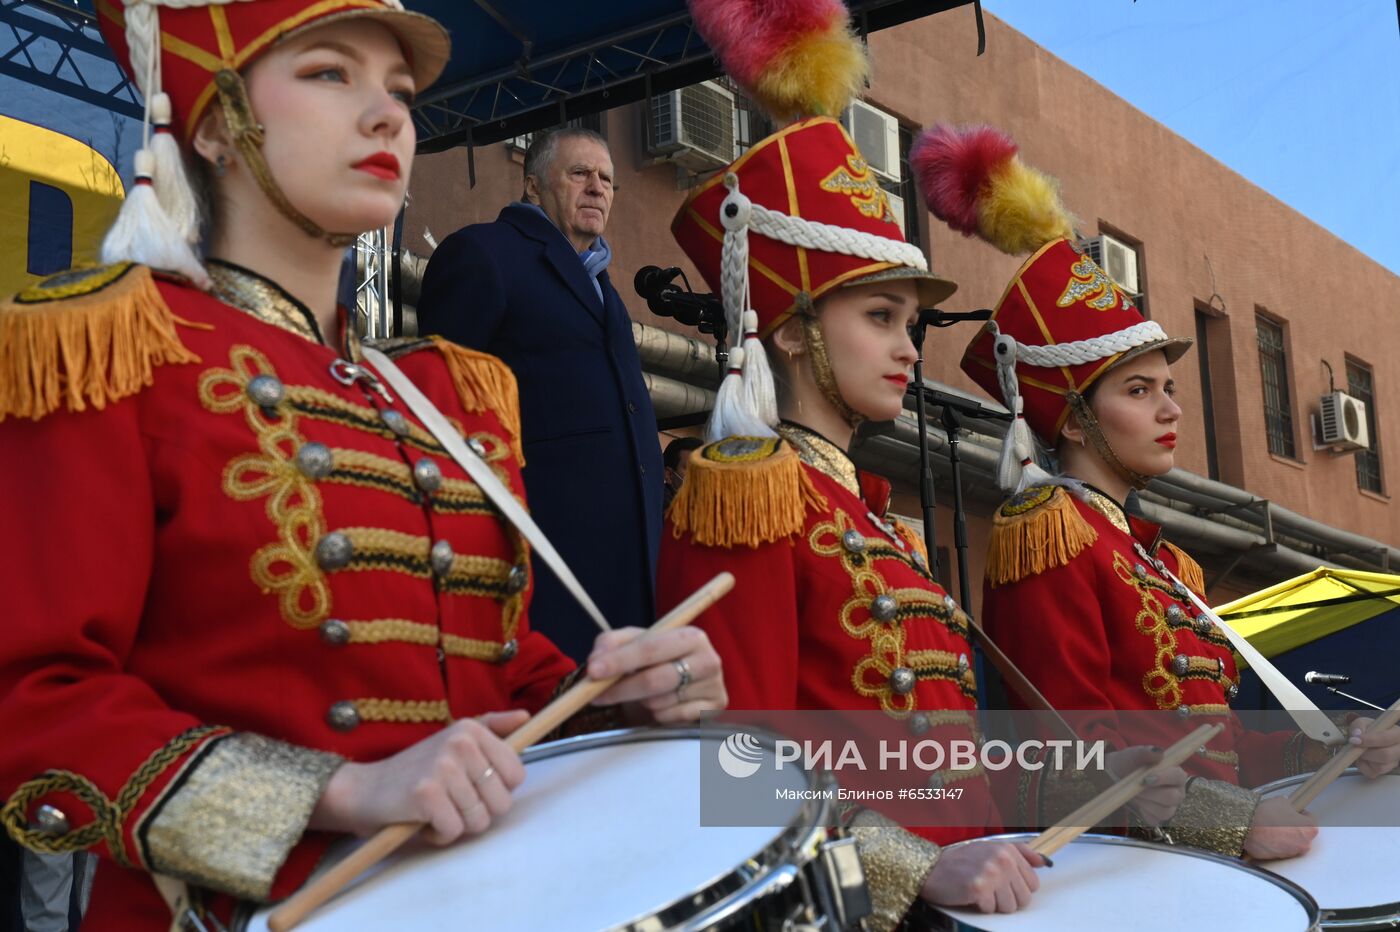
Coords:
pixel 604 833
pixel 1108 884
pixel 1353 868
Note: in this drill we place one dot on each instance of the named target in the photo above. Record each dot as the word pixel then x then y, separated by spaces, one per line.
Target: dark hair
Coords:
pixel 672 456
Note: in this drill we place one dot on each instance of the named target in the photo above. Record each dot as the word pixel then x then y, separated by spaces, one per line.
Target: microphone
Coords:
pixel 1325 679
pixel 666 299
pixel 933 317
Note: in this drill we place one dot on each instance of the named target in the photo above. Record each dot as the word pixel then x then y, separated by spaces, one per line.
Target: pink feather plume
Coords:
pixel 953 166
pixel 746 35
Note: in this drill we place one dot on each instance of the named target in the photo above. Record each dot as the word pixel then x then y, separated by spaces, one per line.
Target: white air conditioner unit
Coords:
pixel 1342 424
pixel 695 127
pixel 897 206
pixel 876 135
pixel 1116 258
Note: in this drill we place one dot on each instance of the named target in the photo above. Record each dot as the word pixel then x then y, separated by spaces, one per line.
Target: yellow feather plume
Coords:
pixel 817 75
pixel 1020 210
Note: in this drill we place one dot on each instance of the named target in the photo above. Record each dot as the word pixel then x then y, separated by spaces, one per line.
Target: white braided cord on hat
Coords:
pixel 826 237
pixel 1090 350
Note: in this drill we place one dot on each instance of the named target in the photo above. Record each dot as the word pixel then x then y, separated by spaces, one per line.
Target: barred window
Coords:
pixel 1273 370
pixel 1361 386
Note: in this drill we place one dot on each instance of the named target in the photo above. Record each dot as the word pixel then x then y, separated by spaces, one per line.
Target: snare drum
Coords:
pixel 1353 868
pixel 605 834
pixel 1103 883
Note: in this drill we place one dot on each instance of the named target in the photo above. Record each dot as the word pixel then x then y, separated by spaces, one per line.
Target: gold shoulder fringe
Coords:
pixel 1035 531
pixel 744 491
pixel 1187 569
pixel 915 541
pixel 84 338
pixel 484 383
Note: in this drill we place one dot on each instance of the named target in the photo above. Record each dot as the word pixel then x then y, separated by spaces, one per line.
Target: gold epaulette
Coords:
pixel 84 337
pixel 1034 531
pixel 483 382
pixel 743 491
pixel 1187 569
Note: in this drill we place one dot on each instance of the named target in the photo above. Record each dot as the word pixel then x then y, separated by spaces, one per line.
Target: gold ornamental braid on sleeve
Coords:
pixel 234 819
pixel 1215 816
pixel 895 862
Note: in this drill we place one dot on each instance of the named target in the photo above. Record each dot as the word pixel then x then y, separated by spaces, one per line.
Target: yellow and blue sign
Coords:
pixel 58 196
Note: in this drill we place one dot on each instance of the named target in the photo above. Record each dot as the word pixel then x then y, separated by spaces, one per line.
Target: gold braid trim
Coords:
pixel 484 383
pixel 1187 569
pixel 402 631
pixel 108 815
pixel 84 338
pixel 1035 531
pixel 401 711
pixel 1214 816
pixel 743 492
pixel 895 863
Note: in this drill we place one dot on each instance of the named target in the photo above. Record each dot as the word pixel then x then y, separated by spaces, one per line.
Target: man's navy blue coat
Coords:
pixel 516 288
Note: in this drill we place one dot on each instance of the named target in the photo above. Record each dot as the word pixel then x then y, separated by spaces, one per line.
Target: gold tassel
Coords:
pixel 1035 531
pixel 84 338
pixel 744 491
pixel 1187 569
pixel 484 383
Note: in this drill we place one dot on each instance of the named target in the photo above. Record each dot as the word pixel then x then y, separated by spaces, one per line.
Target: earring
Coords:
pixel 221 165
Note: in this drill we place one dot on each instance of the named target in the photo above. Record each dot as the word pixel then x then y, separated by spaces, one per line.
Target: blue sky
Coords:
pixel 1302 98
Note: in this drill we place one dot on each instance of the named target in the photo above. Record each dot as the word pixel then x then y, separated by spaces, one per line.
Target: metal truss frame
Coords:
pixel 63 52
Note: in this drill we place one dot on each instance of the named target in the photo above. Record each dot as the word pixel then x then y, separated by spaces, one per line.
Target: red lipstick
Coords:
pixel 1168 441
pixel 381 165
pixel 901 380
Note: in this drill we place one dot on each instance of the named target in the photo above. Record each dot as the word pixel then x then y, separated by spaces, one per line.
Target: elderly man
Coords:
pixel 533 289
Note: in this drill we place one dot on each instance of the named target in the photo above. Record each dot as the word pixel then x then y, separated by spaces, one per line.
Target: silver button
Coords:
pixel 334 551
pixel 1220 664
pixel 508 651
pixel 853 541
pixel 343 716
pixel 1180 664
pixel 395 421
pixel 950 603
pixel 903 680
pixel 919 723
pixel 1140 571
pixel 334 631
pixel 884 607
pixel 1181 592
pixel 1175 614
pixel 51 820
pixel 427 475
pixel 1183 711
pixel 963 663
pixel 477 447
pixel 315 460
pixel 441 557
pixel 1232 692
pixel 919 560
pixel 1203 623
pixel 517 578
pixel 266 391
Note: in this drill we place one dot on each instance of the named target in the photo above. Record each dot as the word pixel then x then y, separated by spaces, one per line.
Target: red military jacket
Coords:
pixel 833 607
pixel 1096 624
pixel 231 559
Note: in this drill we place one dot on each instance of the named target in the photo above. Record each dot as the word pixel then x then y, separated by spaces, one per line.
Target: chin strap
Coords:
pixel 1094 432
pixel 821 371
pixel 248 136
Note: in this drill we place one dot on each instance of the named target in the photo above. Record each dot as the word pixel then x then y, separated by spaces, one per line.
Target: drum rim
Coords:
pixel 1304 898
pixel 792 847
pixel 1370 916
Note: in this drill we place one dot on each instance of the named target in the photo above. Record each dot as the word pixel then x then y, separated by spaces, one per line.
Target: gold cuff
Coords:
pixel 233 819
pixel 1215 816
pixel 895 862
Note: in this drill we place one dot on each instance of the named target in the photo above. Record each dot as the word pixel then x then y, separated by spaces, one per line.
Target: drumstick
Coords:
pixel 389 838
pixel 1303 796
pixel 1120 793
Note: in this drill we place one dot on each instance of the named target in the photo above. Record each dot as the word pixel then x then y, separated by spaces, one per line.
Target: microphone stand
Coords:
pixel 1371 705
pixel 926 493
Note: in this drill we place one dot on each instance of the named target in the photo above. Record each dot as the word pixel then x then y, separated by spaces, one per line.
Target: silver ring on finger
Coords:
pixel 682 671
pixel 486 774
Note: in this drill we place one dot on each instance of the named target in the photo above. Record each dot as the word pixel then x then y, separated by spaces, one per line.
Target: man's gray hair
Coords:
pixel 540 156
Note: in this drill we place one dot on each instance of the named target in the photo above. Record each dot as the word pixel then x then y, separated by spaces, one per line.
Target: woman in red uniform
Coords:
pixel 1084 595
pixel 251 602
